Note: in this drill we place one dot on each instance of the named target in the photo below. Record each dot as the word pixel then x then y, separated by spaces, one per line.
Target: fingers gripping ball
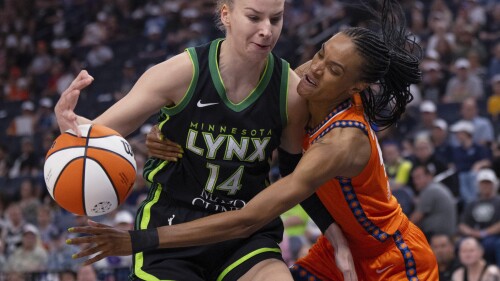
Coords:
pixel 90 175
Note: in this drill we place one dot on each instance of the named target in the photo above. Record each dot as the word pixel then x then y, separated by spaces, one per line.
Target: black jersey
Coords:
pixel 227 146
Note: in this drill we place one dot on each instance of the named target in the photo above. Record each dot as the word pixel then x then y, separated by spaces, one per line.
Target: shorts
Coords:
pixel 408 256
pixel 228 260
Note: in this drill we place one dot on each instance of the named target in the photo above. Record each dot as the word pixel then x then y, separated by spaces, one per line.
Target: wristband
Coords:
pixel 144 240
pixel 483 233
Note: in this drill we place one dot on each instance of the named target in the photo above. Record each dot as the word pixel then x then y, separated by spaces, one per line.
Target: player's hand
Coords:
pixel 104 240
pixel 345 263
pixel 162 148
pixel 64 109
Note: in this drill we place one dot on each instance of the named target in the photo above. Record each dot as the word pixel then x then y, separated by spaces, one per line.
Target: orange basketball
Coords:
pixel 90 175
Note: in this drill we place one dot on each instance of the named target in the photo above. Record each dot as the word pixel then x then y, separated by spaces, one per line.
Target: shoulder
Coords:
pixel 458 274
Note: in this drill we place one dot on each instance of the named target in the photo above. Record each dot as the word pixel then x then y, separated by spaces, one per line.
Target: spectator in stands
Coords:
pixel 483 129
pixel 439 138
pixel 481 217
pixel 28 200
pixel 435 211
pixel 31 256
pixel 464 84
pixel 46 225
pixel 13 232
pixel 23 125
pixel 3 259
pixel 433 84
pixel 424 154
pixel 99 55
pixel 444 249
pixel 468 158
pixel 474 267
pixel 4 162
pixel 45 120
pixel 295 222
pixel 466 40
pixel 428 113
pixel 490 33
pixel 59 254
pixel 25 164
pixel 493 104
pixel 397 168
pixel 494 64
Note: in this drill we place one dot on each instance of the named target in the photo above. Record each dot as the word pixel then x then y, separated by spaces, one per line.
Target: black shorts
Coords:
pixel 222 261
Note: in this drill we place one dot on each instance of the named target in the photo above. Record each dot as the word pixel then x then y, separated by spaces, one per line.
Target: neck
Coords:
pixel 320 110
pixel 236 69
pixel 476 267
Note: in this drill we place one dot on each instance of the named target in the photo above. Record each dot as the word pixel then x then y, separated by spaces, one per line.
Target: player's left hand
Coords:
pixel 104 241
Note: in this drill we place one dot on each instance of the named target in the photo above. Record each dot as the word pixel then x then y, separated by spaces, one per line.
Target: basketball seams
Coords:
pixel 87 140
pixel 101 146
pixel 61 173
pixel 113 152
pixel 109 178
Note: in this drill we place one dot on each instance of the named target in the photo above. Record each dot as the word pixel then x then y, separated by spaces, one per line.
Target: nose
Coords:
pixel 316 67
pixel 265 28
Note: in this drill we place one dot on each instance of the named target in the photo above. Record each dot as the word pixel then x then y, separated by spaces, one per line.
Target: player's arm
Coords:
pixel 163 84
pixel 342 152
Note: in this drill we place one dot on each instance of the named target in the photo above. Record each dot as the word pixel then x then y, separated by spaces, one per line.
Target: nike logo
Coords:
pixel 379 271
pixel 199 104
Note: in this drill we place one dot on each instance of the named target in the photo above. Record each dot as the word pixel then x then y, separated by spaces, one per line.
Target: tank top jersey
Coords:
pixel 363 205
pixel 227 146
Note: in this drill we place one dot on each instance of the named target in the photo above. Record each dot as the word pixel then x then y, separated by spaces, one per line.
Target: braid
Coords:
pixel 391 59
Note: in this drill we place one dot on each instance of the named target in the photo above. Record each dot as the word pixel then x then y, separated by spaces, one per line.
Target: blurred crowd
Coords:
pixel 443 157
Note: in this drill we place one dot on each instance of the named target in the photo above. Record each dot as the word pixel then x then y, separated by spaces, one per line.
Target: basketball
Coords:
pixel 90 175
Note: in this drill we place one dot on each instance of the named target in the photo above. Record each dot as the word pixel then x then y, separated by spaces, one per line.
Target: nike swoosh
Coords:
pixel 199 104
pixel 378 271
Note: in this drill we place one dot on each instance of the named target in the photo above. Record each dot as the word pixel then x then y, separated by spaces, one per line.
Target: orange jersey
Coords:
pixel 385 245
pixel 363 206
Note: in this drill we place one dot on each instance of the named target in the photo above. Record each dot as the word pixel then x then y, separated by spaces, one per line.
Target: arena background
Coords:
pixel 45 43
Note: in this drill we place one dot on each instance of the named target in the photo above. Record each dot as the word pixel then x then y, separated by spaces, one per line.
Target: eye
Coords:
pixel 253 18
pixel 275 20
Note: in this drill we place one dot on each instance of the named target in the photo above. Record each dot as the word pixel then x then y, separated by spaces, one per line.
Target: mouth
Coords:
pixel 310 81
pixel 263 46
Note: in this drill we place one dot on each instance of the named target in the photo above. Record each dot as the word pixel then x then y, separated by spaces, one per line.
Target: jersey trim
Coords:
pixel 358 212
pixel 285 68
pixel 142 222
pixel 245 258
pixel 342 124
pixel 343 106
pixel 170 111
pixel 213 64
pixel 410 264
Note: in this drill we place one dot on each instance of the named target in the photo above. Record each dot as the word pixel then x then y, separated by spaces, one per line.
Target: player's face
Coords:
pixel 334 71
pixel 253 26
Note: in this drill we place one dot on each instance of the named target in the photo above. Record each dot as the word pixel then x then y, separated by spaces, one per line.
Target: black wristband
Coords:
pixel 317 212
pixel 287 161
pixel 144 240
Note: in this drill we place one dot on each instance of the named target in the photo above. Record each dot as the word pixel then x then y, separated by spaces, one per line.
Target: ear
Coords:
pixel 358 87
pixel 224 15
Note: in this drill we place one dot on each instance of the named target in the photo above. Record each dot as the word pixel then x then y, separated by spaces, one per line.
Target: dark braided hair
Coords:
pixel 391 58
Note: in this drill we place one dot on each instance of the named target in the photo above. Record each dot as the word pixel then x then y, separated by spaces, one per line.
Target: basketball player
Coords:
pixel 342 164
pixel 227 103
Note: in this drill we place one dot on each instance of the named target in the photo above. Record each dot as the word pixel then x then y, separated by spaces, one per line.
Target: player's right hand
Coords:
pixel 64 109
pixel 162 148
